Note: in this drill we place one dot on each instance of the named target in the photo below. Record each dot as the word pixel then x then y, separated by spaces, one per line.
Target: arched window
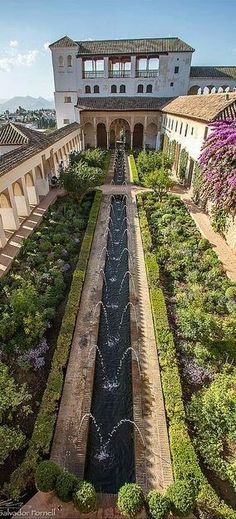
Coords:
pixel 149 89
pixel 140 89
pixel 87 89
pixel 61 61
pixel 113 89
pixel 96 89
pixel 69 61
pixel 122 89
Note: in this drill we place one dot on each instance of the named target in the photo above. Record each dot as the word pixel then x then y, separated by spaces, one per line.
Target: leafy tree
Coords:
pixel 79 178
pixel 159 181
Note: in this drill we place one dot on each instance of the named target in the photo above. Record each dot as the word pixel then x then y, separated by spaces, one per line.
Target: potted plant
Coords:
pixel 46 475
pixel 159 506
pixel 65 486
pixel 85 497
pixel 131 500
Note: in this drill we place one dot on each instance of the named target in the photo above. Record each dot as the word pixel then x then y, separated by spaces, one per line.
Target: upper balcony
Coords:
pixel 147 73
pixel 93 74
pixel 119 73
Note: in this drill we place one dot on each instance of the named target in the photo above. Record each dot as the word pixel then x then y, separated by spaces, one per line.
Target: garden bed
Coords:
pixel 37 285
pixel 201 310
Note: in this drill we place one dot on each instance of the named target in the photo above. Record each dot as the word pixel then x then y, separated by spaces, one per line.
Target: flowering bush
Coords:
pixel 218 164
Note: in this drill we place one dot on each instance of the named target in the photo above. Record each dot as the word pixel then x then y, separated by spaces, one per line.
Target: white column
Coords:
pixel 108 139
pixel 95 131
pixel 133 66
pixel 131 139
pixel 106 67
pixel 3 240
pixel 25 194
pixel 13 204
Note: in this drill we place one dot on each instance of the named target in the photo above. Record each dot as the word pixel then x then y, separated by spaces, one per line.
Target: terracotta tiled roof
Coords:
pixel 14 133
pixel 121 103
pixel 213 72
pixel 14 158
pixel 203 107
pixel 64 42
pixel 129 46
pixel 133 46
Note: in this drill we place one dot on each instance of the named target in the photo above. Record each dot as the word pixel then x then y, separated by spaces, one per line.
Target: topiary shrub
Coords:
pixel 46 475
pixel 182 497
pixel 85 497
pixel 158 505
pixel 130 499
pixel 65 486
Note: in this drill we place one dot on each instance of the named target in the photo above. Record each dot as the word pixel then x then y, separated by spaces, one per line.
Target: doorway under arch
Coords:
pixel 138 136
pixel 101 135
pixel 120 131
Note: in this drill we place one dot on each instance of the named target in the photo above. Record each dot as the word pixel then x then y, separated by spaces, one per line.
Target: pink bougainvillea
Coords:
pixel 218 165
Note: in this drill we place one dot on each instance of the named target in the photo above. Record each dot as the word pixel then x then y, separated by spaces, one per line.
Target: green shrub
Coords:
pixel 130 499
pixel 41 438
pixel 134 171
pixel 46 475
pixel 85 497
pixel 182 497
pixel 158 505
pixel 65 486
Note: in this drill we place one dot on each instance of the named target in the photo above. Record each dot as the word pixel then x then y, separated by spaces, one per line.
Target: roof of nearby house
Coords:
pixel 125 46
pixel 204 107
pixel 14 158
pixel 213 72
pixel 18 134
pixel 121 103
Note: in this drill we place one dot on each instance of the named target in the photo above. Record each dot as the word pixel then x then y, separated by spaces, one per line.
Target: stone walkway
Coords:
pixel 153 463
pixel 27 225
pixel 226 255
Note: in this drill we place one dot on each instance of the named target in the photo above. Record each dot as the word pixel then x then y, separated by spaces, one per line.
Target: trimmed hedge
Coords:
pixel 134 171
pixel 184 458
pixel 41 438
pixel 46 475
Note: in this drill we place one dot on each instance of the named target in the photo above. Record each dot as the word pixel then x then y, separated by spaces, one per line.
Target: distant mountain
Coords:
pixel 27 102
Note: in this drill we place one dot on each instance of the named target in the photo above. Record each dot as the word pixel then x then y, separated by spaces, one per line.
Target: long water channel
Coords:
pixel 110 451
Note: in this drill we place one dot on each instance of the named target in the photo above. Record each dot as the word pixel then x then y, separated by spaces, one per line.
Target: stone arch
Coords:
pixel 17 189
pixel 220 90
pixel 88 135
pixel 120 130
pixel 96 89
pixel 9 219
pixel 138 135
pixel 213 91
pixel 140 89
pixel 101 135
pixel 38 173
pixel 206 90
pixel 4 201
pixel 226 88
pixel 113 89
pixel 122 89
pixel 149 89
pixel 22 202
pixel 151 136
pixel 193 90
pixel 29 180
pixel 69 60
pixel 87 89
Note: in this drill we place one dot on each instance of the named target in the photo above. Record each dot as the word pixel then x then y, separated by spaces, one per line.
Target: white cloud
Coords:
pixel 13 43
pixel 46 45
pixel 18 59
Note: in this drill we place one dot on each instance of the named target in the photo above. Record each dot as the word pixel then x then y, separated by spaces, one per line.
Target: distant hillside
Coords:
pixel 27 102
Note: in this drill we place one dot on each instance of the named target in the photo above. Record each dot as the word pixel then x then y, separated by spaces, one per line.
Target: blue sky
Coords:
pixel 27 25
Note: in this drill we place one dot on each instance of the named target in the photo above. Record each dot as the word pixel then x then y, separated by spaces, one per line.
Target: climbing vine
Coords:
pixel 218 165
pixel 183 161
